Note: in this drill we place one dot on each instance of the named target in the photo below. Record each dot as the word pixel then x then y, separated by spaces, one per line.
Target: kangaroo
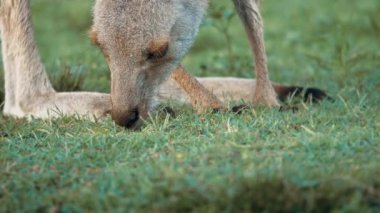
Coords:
pixel 143 42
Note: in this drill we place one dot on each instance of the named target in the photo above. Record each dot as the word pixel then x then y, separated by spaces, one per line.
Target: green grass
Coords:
pixel 323 158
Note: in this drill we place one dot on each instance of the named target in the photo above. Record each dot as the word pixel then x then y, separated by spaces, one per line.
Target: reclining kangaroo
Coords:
pixel 143 42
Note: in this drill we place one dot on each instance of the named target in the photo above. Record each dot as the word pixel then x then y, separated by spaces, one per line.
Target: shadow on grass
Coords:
pixel 273 195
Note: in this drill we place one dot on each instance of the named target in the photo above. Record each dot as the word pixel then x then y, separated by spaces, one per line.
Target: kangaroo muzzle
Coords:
pixel 127 119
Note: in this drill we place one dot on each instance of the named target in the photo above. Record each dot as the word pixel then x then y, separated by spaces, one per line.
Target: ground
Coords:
pixel 325 157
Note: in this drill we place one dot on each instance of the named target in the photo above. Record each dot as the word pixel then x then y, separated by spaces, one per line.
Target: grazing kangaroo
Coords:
pixel 143 42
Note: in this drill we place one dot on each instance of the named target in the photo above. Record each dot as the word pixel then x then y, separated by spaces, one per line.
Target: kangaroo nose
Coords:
pixel 127 120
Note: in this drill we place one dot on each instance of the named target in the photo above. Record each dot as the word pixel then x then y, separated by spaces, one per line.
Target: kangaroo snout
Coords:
pixel 127 119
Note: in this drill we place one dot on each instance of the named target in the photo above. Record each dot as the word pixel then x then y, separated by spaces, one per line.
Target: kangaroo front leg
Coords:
pixel 201 98
pixel 250 15
pixel 28 91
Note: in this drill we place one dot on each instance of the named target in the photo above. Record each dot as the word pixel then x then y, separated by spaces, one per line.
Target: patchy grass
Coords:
pixel 323 158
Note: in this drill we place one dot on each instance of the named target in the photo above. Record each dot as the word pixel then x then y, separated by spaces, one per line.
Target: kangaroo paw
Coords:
pixel 201 99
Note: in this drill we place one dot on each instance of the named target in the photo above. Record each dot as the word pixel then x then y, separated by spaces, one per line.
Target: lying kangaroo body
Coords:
pixel 143 42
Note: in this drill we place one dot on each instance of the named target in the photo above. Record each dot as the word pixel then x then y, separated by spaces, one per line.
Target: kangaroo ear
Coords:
pixel 93 36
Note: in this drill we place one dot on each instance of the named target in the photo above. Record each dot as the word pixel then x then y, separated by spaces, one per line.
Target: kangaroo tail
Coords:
pixel 307 93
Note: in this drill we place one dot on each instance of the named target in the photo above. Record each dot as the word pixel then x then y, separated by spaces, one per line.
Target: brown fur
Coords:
pixel 93 37
pixel 157 48
pixel 200 97
pixel 143 42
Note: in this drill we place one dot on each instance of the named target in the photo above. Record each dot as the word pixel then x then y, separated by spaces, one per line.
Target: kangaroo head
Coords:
pixel 142 41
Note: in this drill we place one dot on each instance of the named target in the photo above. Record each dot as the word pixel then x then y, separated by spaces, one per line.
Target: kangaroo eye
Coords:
pixel 157 49
pixel 156 55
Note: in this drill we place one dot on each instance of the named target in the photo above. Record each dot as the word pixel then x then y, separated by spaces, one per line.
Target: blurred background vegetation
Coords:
pixel 323 158
pixel 318 43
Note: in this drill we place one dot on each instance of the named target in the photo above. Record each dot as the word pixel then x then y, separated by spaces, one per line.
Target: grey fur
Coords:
pixel 124 29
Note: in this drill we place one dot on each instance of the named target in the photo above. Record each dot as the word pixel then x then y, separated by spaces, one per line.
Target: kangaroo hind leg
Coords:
pixel 249 13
